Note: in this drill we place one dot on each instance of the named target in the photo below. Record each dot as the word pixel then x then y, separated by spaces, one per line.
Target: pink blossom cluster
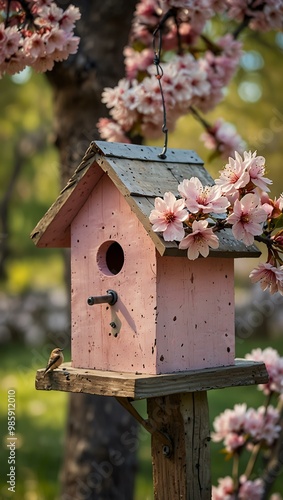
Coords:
pixel 223 137
pixel 235 192
pixel 247 489
pixel 220 67
pixel 196 13
pixel 193 81
pixel 135 104
pixel 262 15
pixel 250 430
pixel 240 196
pixel 274 366
pixel 146 17
pixel 186 82
pixel 36 33
pixel 198 200
pixel 193 78
pixel 240 180
pixel 269 276
pixel 243 172
pixel 240 426
pixel 137 61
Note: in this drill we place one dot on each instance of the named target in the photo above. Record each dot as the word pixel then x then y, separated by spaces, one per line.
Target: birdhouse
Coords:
pixel 138 304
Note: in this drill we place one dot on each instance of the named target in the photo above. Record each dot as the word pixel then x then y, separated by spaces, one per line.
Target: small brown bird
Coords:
pixel 55 360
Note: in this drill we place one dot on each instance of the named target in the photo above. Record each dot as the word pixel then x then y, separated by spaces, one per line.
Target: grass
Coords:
pixel 41 417
pixel 40 420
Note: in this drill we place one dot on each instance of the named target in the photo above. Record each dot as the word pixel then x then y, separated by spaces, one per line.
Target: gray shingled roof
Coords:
pixel 140 175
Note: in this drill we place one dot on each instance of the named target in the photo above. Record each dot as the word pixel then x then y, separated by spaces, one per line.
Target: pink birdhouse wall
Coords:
pixel 106 222
pixel 172 314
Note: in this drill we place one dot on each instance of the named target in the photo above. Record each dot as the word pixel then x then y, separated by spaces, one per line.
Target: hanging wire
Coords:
pixel 157 45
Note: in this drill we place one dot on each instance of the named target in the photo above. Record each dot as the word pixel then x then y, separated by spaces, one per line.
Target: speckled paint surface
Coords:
pixel 172 314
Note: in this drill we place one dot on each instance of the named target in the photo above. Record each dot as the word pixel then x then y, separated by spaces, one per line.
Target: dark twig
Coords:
pixel 7 13
pixel 29 18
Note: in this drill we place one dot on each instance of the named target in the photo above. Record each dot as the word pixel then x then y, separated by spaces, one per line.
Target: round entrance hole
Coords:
pixel 110 258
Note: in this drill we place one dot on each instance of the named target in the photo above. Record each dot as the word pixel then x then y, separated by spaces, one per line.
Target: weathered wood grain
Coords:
pixel 185 474
pixel 146 178
pixel 136 386
pixel 146 153
pixel 182 171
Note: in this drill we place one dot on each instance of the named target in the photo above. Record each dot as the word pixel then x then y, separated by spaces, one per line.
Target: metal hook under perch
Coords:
pixel 111 298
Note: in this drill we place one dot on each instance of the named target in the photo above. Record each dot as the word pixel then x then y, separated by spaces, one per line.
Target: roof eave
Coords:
pixel 53 230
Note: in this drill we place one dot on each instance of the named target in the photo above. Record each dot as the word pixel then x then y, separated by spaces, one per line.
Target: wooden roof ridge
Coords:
pixel 145 153
pixel 140 176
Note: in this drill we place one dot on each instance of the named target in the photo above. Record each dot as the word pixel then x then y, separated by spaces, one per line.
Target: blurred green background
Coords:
pixel 29 277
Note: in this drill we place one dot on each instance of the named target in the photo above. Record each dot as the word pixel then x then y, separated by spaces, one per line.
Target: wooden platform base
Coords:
pixel 128 385
pixel 178 417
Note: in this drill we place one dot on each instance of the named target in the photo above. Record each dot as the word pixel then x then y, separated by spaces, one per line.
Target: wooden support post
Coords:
pixel 186 473
pixel 177 415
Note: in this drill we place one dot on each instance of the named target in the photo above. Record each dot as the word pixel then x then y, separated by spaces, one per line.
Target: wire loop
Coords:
pixel 159 75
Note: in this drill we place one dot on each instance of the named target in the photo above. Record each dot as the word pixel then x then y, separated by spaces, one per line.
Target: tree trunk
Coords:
pixel 100 450
pixel 101 438
pixel 78 82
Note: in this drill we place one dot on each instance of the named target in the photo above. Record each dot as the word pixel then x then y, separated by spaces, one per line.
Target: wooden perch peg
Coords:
pixel 111 298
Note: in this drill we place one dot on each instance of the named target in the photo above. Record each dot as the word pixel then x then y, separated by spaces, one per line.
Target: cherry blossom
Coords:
pixel 37 35
pixel 224 490
pixel 256 168
pixel 234 176
pixel 248 489
pixel 136 61
pixel 111 131
pixel 168 217
pixel 134 103
pixel 274 366
pixel 146 11
pixel 187 81
pixel 277 240
pixel 220 68
pixel 112 96
pixel 269 277
pixel 229 427
pixel 199 84
pixel 204 199
pixel 247 218
pixel 223 137
pixel 274 207
pixel 240 425
pixel 200 240
pixel 262 425
pixel 269 205
pixel 10 41
pixel 262 16
pixel 238 197
pixel 199 12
